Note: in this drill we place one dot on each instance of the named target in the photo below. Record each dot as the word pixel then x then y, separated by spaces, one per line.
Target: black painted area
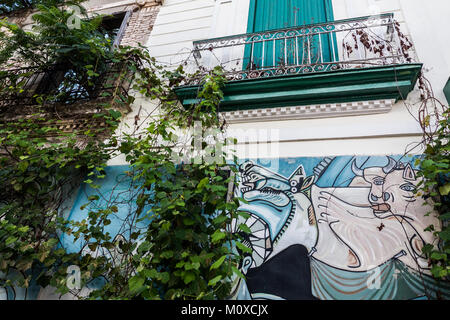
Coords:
pixel 287 275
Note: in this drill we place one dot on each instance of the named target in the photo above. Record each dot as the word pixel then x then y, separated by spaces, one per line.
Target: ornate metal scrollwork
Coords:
pixel 345 44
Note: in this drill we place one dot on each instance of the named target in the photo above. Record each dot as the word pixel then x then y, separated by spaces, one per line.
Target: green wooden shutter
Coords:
pixel 278 14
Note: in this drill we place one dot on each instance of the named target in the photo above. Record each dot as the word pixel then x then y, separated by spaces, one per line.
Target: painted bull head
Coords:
pixel 391 187
pixel 260 183
pixel 273 197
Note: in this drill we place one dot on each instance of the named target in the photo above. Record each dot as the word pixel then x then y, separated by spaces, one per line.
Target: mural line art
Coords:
pixel 336 228
pixel 341 227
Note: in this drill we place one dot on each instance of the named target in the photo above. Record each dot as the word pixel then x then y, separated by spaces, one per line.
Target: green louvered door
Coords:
pixel 279 14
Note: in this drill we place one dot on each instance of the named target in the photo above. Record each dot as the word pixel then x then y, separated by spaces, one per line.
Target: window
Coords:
pixel 70 85
pixel 267 15
pixel 113 26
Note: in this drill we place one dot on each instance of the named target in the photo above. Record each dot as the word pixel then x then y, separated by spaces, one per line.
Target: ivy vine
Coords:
pixel 435 188
pixel 186 249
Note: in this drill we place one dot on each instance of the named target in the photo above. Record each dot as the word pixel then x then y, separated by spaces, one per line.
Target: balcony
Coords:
pixel 60 89
pixel 9 6
pixel 63 98
pixel 350 60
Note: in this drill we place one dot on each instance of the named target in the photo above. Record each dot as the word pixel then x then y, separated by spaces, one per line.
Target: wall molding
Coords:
pixel 310 111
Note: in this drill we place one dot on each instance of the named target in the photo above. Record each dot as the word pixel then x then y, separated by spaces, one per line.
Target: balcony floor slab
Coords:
pixel 393 82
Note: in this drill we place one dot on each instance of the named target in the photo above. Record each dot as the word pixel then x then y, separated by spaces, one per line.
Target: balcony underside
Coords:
pixel 376 83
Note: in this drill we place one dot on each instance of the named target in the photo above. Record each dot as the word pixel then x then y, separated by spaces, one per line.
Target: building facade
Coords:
pixel 323 97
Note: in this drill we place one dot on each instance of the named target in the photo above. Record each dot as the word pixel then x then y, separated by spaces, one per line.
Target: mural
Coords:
pixel 118 188
pixel 322 228
pixel 18 293
pixel 335 228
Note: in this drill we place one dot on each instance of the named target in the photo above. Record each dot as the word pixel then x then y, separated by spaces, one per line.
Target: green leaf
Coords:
pixel 214 280
pixel 243 247
pixel 10 240
pixel 445 216
pixel 438 256
pixel 238 272
pixel 166 254
pixel 202 183
pixel 23 229
pixel 220 219
pixel 23 165
pixel 217 236
pixel 426 163
pixel 164 277
pixel 427 248
pixel 115 114
pixel 218 263
pixel 445 235
pixel 245 228
pixel 188 277
pixel 438 271
pixel 188 221
pixel 136 284
pixel 444 190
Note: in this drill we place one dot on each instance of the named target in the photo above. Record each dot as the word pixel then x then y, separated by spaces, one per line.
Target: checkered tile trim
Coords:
pixel 310 112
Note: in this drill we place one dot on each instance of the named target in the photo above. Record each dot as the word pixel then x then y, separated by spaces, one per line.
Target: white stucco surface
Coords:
pixel 181 22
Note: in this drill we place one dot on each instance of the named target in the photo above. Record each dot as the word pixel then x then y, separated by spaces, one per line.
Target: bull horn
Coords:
pixel 356 170
pixel 390 166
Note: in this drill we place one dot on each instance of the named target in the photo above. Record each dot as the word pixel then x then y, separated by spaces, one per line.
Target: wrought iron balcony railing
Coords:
pixel 338 45
pixel 58 84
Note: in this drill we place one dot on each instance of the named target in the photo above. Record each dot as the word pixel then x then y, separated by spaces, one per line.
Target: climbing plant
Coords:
pixel 9 6
pixel 435 188
pixel 186 249
pixel 434 165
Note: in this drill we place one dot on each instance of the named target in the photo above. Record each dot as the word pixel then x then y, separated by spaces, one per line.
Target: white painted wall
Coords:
pixel 425 22
pixel 429 25
pixel 180 22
